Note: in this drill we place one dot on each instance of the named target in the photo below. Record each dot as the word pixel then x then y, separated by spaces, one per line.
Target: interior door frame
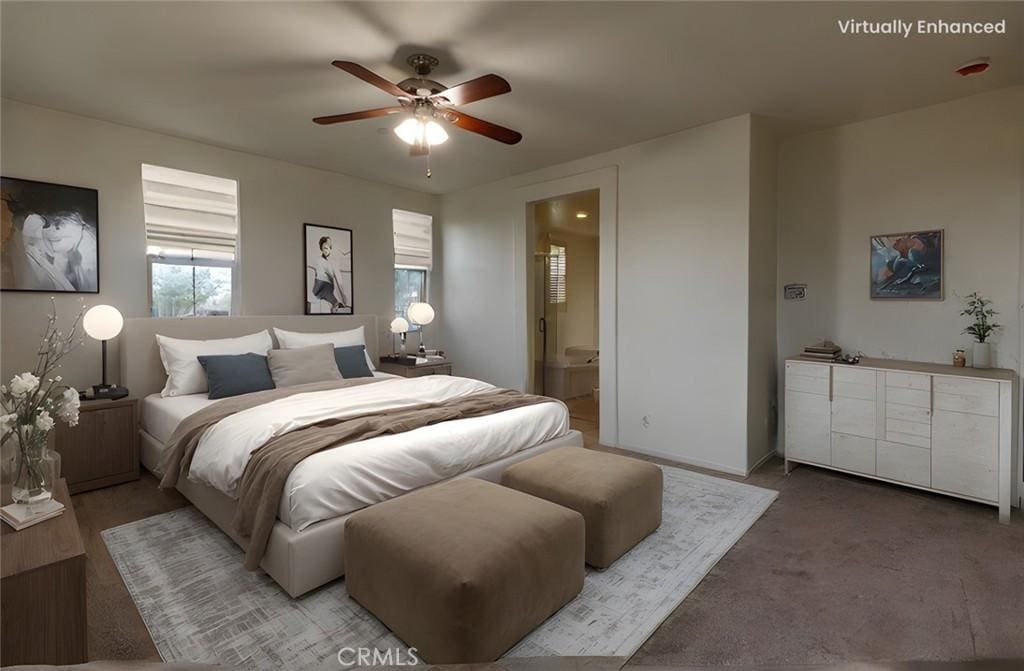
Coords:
pixel 606 181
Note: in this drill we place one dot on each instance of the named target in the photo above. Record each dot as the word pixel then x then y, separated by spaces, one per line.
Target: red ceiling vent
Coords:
pixel 974 67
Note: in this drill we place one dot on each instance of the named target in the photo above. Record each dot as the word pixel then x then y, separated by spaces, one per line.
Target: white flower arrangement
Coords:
pixel 30 402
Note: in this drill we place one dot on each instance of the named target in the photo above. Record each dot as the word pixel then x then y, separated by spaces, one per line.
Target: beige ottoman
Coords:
pixel 463 570
pixel 619 497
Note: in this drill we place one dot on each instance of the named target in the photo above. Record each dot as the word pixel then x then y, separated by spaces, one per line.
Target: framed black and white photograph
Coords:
pixel 328 255
pixel 50 235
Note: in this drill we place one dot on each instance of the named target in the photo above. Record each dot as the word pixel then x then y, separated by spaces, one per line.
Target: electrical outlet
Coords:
pixel 645 421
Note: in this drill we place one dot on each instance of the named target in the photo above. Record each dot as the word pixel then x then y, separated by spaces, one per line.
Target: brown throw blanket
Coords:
pixel 262 484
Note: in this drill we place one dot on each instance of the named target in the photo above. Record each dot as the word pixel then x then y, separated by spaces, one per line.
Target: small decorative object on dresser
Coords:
pixel 979 309
pixel 103 323
pixel 28 410
pixel 103 448
pixel 959 358
pixel 427 366
pixel 44 619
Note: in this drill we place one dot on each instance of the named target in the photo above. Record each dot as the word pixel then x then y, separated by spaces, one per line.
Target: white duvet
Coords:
pixel 342 479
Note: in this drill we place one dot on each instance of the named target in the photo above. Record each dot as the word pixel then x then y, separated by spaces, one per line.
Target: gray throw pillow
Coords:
pixel 303 365
pixel 352 361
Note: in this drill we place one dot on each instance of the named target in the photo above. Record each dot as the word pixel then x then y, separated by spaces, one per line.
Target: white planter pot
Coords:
pixel 982 355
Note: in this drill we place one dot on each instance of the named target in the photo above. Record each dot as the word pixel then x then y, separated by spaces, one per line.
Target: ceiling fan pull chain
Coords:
pixel 428 166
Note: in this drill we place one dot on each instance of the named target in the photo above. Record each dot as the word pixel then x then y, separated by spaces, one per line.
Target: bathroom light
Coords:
pixel 415 131
pixel 581 215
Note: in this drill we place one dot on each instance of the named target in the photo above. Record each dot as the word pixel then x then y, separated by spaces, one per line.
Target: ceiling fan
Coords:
pixel 425 102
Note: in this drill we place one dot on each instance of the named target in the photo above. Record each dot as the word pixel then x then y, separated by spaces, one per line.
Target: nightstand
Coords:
pixel 43 618
pixel 432 368
pixel 103 449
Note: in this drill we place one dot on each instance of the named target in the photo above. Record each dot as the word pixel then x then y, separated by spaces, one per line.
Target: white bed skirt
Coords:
pixel 300 561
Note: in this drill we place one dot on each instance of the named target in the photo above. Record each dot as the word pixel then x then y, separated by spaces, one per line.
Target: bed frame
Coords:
pixel 298 561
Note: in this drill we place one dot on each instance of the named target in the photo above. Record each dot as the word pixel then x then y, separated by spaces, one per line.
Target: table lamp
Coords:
pixel 421 314
pixel 401 327
pixel 103 323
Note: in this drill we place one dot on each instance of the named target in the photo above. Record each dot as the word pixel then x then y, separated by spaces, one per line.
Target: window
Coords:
pixel 556 274
pixel 413 234
pixel 191 242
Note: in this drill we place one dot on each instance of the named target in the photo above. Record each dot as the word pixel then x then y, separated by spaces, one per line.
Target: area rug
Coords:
pixel 201 605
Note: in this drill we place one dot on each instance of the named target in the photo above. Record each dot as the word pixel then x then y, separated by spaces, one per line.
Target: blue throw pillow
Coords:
pixel 352 361
pixel 235 374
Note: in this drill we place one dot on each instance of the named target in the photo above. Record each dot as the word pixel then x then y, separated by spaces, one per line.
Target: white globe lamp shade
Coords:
pixel 399 325
pixel 421 313
pixel 103 322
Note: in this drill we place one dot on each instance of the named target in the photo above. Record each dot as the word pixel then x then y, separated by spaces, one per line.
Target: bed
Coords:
pixel 305 546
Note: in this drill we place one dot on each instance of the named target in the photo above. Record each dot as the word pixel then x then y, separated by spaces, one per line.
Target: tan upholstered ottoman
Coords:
pixel 619 497
pixel 463 570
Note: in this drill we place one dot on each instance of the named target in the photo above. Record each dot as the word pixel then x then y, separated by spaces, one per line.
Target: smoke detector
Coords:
pixel 974 67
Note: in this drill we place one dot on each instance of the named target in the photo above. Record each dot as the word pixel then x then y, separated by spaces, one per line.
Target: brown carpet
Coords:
pixel 848 569
pixel 838 569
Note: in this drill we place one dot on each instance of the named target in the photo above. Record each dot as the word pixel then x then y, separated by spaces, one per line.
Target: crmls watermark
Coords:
pixel 349 657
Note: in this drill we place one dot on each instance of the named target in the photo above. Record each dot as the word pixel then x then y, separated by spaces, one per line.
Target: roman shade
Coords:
pixel 413 239
pixel 189 215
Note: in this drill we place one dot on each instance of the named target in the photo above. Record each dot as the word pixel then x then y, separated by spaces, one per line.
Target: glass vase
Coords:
pixel 36 467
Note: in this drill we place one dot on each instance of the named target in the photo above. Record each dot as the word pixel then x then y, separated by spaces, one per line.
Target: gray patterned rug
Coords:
pixel 201 605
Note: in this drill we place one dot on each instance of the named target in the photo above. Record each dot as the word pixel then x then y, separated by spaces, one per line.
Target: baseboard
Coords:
pixel 766 457
pixel 699 463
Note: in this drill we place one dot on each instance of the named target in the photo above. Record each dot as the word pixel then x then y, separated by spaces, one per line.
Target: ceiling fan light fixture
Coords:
pixel 415 131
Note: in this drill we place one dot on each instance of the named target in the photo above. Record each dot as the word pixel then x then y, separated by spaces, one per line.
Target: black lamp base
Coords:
pixel 107 392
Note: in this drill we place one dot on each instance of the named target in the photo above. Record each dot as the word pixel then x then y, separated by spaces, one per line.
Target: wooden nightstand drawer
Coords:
pixel 103 449
pixel 439 368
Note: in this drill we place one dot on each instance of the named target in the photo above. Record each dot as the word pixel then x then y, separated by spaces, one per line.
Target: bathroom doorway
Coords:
pixel 565 304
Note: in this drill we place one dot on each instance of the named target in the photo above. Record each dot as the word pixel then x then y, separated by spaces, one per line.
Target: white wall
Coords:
pixel 958 166
pixel 276 198
pixel 762 409
pixel 682 288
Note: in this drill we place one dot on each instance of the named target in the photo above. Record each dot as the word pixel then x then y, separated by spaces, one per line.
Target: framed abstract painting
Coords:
pixel 328 256
pixel 908 266
pixel 50 237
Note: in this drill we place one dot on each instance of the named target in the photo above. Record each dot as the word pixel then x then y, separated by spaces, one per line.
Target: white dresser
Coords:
pixel 945 429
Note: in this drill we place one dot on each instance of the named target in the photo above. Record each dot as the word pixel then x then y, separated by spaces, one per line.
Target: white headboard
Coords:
pixel 143 373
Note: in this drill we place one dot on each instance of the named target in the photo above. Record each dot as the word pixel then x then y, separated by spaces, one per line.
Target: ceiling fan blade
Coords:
pixel 355 116
pixel 358 70
pixel 475 89
pixel 485 128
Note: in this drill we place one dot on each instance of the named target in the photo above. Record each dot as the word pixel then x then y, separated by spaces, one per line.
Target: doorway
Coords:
pixel 565 306
pixel 605 181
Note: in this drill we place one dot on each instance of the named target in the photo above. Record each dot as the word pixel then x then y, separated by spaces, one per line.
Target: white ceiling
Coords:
pixel 586 77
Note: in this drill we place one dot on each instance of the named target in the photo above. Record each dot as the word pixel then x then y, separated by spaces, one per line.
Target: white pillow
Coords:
pixel 184 373
pixel 294 339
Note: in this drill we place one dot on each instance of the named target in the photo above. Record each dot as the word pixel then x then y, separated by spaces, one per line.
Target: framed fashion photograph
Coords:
pixel 49 237
pixel 908 266
pixel 328 254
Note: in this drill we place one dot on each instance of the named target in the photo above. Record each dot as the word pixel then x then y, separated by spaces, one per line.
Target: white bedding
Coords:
pixel 339 480
pixel 162 414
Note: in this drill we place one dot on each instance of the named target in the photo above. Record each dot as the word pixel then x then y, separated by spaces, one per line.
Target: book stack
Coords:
pixel 19 516
pixel 824 351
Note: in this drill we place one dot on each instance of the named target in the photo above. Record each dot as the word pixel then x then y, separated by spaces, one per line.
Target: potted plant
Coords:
pixel 979 309
pixel 29 406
